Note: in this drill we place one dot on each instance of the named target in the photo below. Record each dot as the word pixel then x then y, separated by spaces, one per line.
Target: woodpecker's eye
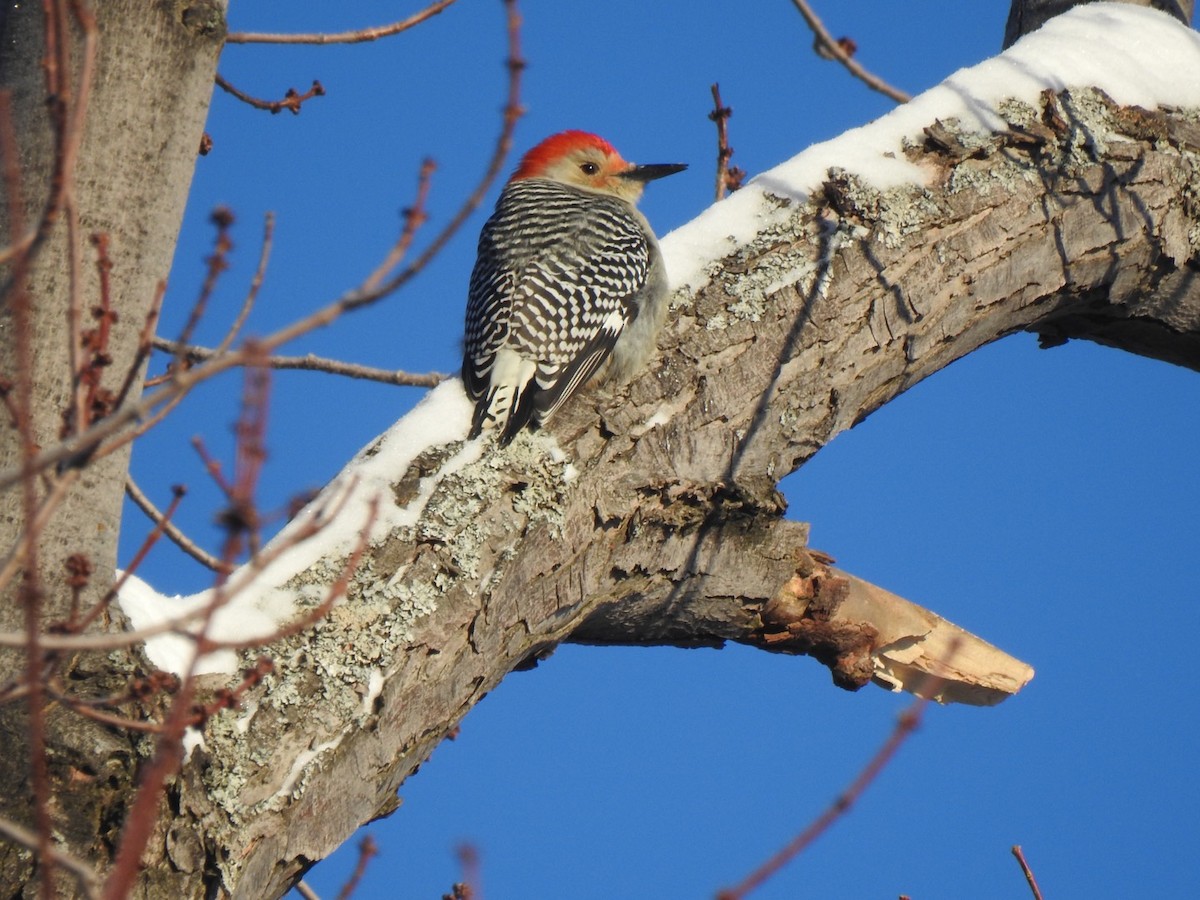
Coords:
pixel 589 168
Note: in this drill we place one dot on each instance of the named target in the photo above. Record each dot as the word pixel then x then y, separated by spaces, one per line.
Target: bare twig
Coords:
pixel 345 37
pixel 336 591
pixel 367 849
pixel 145 345
pixel 147 545
pixel 826 45
pixel 84 876
pixel 469 888
pixel 217 263
pixel 313 363
pixel 728 178
pixel 90 354
pixel 303 889
pixel 292 99
pixel 240 518
pixel 512 112
pixel 119 428
pixel 141 818
pixel 67 114
pixel 414 217
pixel 264 255
pixel 906 724
pixel 75 415
pixel 169 528
pixel 1033 885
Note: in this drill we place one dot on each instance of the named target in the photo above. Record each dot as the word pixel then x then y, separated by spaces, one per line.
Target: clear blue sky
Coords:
pixel 1046 500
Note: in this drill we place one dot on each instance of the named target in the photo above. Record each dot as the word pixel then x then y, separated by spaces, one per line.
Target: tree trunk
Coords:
pixel 128 181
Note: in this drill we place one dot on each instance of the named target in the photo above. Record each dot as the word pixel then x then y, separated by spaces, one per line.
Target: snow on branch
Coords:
pixel 1131 53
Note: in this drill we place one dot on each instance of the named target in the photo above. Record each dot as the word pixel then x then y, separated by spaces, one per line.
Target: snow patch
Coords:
pixel 375 682
pixel 1135 55
pixel 301 762
pixel 193 738
pixel 257 606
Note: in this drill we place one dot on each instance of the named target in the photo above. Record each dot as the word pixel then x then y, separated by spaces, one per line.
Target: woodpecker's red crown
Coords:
pixel 586 161
pixel 536 162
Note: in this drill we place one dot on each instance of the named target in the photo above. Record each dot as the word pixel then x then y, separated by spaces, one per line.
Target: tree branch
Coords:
pixel 829 48
pixel 357 36
pixel 649 514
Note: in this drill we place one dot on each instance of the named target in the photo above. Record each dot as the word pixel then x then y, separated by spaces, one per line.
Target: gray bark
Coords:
pixel 673 533
pixel 131 181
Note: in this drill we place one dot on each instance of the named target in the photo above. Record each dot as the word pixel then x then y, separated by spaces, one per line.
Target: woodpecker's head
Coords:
pixel 590 162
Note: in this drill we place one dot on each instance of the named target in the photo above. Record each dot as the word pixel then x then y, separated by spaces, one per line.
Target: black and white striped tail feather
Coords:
pixel 504 393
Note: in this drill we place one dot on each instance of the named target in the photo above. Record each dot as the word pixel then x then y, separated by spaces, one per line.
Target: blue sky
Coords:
pixel 1046 500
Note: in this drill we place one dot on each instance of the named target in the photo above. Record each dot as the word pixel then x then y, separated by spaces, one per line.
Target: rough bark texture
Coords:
pixel 135 163
pixel 1079 222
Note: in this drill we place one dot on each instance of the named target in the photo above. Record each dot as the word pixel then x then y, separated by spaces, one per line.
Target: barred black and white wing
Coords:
pixel 554 285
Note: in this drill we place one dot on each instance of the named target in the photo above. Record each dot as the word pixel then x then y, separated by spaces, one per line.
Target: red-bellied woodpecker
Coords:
pixel 569 279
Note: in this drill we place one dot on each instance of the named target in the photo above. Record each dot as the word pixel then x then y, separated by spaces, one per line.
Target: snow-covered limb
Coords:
pixel 1133 54
pixel 850 276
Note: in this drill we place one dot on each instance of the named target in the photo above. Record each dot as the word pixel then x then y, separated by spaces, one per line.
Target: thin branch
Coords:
pixel 138 558
pixel 88 882
pixel 1033 885
pixel 469 887
pixel 66 120
pixel 170 529
pixel 292 99
pixel 367 849
pixel 906 724
pixel 344 37
pixel 141 818
pixel 30 588
pixel 728 178
pixel 116 430
pixel 827 46
pixel 145 345
pixel 303 889
pixel 414 217
pixel 336 591
pixel 313 363
pixel 512 112
pixel 256 283
pixel 76 414
pixel 217 263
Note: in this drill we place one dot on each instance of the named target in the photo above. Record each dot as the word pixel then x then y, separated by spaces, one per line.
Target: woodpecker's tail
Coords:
pixel 507 401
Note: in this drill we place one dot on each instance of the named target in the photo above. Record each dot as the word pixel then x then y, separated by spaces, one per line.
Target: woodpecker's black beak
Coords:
pixel 651 172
